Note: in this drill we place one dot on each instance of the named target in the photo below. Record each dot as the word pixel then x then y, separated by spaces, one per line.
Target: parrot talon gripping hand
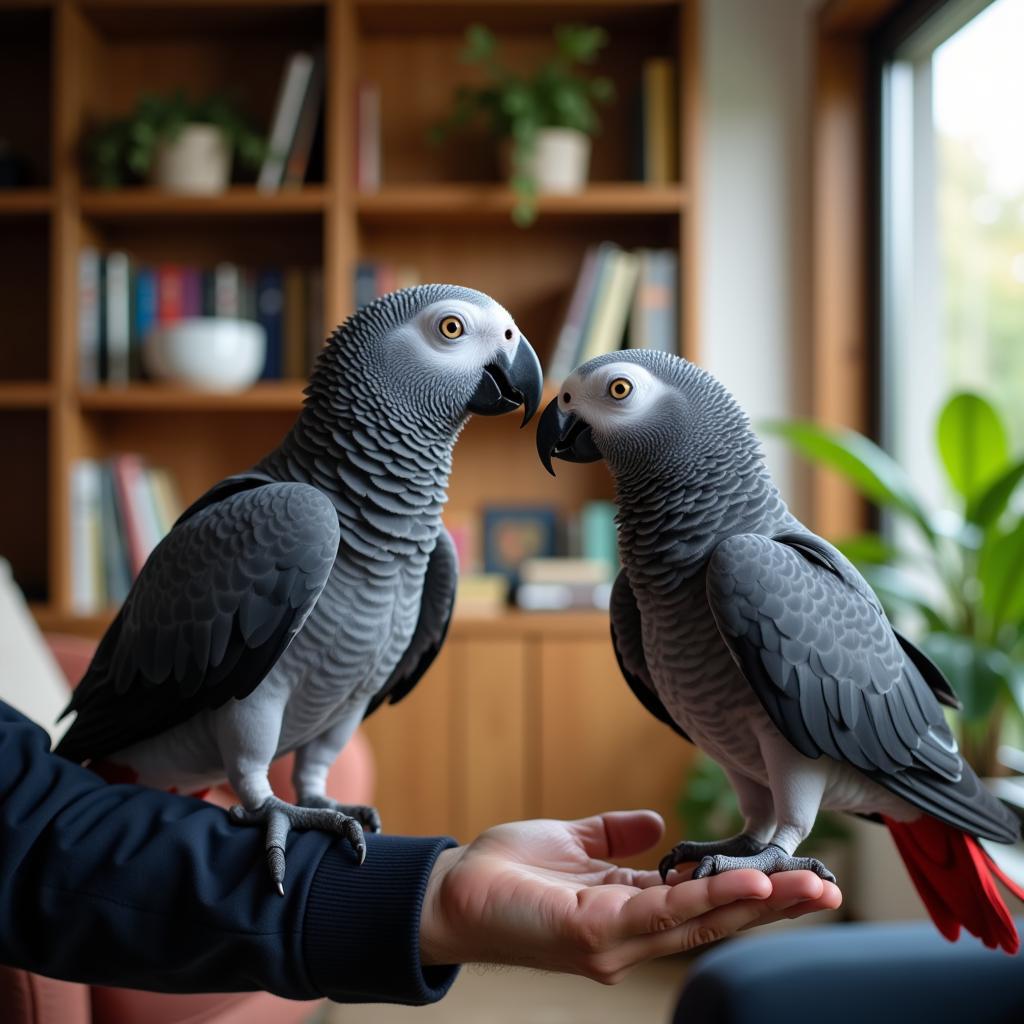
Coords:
pixel 742 845
pixel 763 645
pixel 294 599
pixel 279 818
pixel 770 860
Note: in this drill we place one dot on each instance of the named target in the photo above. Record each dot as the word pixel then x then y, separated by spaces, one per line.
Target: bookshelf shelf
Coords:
pixel 270 396
pixel 23 202
pixel 25 395
pixel 471 202
pixel 135 204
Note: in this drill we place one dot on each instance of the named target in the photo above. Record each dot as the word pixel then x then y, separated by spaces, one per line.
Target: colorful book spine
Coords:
pixel 607 326
pixel 89 316
pixel 654 321
pixel 170 294
pixel 285 120
pixel 144 310
pixel 366 284
pixel 269 313
pixel 191 291
pixel 86 540
pixel 117 320
pixel 126 470
pixel 227 290
pixel 661 139
pixel 116 564
pixel 309 114
pixel 567 347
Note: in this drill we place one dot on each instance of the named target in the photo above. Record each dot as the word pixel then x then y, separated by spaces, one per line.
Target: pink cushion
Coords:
pixel 124 1006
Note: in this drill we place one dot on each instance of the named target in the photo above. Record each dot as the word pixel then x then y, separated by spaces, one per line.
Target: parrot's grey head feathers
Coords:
pixel 427 357
pixel 646 413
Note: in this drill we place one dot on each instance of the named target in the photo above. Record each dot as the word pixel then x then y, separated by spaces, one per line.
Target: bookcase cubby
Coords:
pixel 506 683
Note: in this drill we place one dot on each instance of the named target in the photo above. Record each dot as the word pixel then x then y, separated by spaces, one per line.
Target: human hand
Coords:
pixel 542 894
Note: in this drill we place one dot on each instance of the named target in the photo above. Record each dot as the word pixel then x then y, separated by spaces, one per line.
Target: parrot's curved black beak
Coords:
pixel 563 435
pixel 507 384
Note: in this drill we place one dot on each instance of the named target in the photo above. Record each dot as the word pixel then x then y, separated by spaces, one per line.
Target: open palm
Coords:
pixel 545 894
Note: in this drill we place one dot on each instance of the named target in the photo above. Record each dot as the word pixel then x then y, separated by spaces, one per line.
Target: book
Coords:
pixel 567 346
pixel 170 286
pixel 117 318
pixel 227 290
pixel 166 498
pixel 87 587
pixel 269 313
pixel 126 470
pixel 285 120
pixel 89 316
pixel 368 162
pixel 295 338
pixel 191 291
pixel 144 312
pixel 661 140
pixel 309 113
pixel 560 597
pixel 564 570
pixel 116 564
pixel 607 325
pixel 598 538
pixel 481 592
pixel 653 322
pixel 365 284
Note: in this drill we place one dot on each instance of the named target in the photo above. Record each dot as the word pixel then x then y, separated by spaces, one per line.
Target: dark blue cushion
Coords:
pixel 852 974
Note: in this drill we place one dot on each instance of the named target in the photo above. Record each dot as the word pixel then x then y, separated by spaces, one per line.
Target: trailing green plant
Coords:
pixel 125 149
pixel 518 104
pixel 958 570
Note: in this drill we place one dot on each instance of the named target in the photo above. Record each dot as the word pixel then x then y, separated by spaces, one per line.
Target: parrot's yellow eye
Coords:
pixel 619 388
pixel 451 327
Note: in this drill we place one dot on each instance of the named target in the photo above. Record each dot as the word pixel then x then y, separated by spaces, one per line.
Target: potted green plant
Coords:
pixel 545 117
pixel 178 144
pixel 958 571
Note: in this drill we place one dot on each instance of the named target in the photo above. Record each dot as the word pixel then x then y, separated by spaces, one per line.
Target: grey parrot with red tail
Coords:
pixel 759 642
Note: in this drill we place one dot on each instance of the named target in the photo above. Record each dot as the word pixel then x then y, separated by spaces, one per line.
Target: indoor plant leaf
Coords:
pixel 979 674
pixel 989 503
pixel 1001 574
pixel 972 442
pixel 870 469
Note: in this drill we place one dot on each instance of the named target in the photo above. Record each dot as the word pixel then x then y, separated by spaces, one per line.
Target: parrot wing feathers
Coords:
pixel 627 642
pixel 215 606
pixel 842 682
pixel 436 606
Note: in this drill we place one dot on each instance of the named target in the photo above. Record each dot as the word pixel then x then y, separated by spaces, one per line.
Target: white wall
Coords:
pixel 754 196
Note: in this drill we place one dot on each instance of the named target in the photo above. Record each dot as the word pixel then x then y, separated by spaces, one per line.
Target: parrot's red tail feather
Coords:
pixel 956 880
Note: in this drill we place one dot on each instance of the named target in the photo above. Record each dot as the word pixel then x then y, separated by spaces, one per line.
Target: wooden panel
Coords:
pixel 23 440
pixel 599 750
pixel 842 380
pixel 413 748
pixel 237 201
pixel 491 726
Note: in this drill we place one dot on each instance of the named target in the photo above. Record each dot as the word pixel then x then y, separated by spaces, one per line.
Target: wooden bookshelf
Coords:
pixel 71 64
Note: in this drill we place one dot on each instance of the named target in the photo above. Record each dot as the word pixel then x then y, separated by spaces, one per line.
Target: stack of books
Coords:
pixel 376 279
pixel 120 302
pixel 293 127
pixel 121 509
pixel 620 298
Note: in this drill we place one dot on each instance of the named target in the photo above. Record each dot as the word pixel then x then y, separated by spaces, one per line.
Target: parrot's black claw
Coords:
pixel 770 860
pixel 279 818
pixel 741 845
pixel 368 817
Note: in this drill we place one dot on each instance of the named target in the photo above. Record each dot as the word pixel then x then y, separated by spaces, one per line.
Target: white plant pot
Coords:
pixel 207 353
pixel 560 161
pixel 197 162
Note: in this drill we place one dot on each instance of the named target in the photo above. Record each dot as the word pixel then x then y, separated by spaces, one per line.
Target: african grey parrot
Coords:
pixel 290 601
pixel 760 643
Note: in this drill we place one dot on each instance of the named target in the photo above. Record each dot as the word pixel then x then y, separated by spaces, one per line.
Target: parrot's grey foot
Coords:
pixel 770 860
pixel 368 817
pixel 742 845
pixel 280 818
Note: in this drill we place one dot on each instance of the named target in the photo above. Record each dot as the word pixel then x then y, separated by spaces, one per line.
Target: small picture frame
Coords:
pixel 515 533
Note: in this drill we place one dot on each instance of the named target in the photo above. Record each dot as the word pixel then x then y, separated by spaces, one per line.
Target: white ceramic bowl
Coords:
pixel 208 353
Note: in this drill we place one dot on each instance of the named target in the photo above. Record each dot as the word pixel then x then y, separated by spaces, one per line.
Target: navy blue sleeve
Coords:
pixel 131 887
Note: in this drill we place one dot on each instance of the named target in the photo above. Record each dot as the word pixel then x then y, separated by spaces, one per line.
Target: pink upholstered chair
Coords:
pixel 31 999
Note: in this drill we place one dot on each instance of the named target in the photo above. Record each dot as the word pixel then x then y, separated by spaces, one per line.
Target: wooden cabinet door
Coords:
pixel 412 749
pixel 599 750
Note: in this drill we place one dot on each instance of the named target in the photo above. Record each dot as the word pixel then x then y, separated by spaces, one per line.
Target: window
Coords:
pixel 952 228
